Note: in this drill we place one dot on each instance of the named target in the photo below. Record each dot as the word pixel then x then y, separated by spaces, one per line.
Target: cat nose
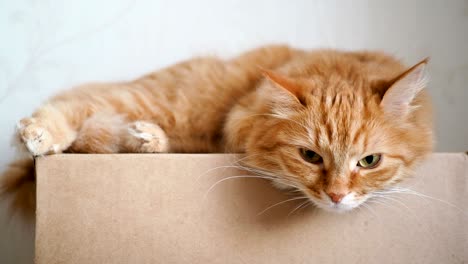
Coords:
pixel 336 197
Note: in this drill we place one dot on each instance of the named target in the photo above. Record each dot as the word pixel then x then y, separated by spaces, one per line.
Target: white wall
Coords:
pixel 49 45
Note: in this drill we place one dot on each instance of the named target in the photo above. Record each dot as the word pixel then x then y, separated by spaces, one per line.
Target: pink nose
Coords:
pixel 336 197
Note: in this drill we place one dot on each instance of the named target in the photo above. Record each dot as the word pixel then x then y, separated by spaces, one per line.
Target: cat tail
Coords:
pixel 18 187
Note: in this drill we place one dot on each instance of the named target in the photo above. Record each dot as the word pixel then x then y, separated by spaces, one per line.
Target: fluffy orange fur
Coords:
pixel 273 103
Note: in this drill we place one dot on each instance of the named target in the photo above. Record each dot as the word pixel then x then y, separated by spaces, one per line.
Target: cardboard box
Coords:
pixel 145 208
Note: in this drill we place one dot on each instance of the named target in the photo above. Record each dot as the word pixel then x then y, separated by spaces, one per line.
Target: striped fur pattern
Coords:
pixel 270 103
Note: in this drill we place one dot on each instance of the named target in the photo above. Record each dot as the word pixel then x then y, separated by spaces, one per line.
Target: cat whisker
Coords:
pixel 302 205
pixel 234 177
pixel 280 203
pixel 287 178
pixel 297 190
pixel 282 175
pixel 394 200
pixel 363 205
pixel 290 181
pixel 388 207
pixel 234 165
pixel 418 219
pixel 401 190
pixel 382 203
pixel 244 158
pixel 220 167
pixel 254 171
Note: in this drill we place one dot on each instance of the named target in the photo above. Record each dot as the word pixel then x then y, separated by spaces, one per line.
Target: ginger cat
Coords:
pixel 335 125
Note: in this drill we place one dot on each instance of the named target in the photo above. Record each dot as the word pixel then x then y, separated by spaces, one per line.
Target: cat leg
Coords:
pixel 54 127
pixel 100 133
pixel 111 133
pixel 46 132
pixel 145 137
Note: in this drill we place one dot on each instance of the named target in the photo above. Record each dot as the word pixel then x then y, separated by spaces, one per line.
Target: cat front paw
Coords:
pixel 37 139
pixel 147 138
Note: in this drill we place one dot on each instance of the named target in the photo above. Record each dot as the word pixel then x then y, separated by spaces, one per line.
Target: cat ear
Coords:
pixel 398 98
pixel 284 83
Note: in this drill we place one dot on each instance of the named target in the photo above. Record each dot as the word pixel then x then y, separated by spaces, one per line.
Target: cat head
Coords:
pixel 340 138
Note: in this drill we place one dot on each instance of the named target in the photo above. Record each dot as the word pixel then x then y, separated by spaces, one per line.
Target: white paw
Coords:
pixel 142 130
pixel 150 137
pixel 36 138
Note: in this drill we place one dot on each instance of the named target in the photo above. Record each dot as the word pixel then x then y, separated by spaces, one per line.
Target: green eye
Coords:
pixel 370 162
pixel 310 156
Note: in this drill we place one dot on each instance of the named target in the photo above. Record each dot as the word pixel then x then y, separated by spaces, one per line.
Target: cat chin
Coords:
pixel 348 203
pixel 336 208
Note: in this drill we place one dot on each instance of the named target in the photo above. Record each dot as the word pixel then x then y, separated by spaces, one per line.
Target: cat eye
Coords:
pixel 370 162
pixel 310 156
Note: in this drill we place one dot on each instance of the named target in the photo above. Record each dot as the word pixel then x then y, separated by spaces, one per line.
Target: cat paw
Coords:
pixel 148 137
pixel 36 138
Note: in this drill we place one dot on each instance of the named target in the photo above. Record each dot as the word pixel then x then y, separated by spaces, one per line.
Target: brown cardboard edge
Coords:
pixel 41 162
